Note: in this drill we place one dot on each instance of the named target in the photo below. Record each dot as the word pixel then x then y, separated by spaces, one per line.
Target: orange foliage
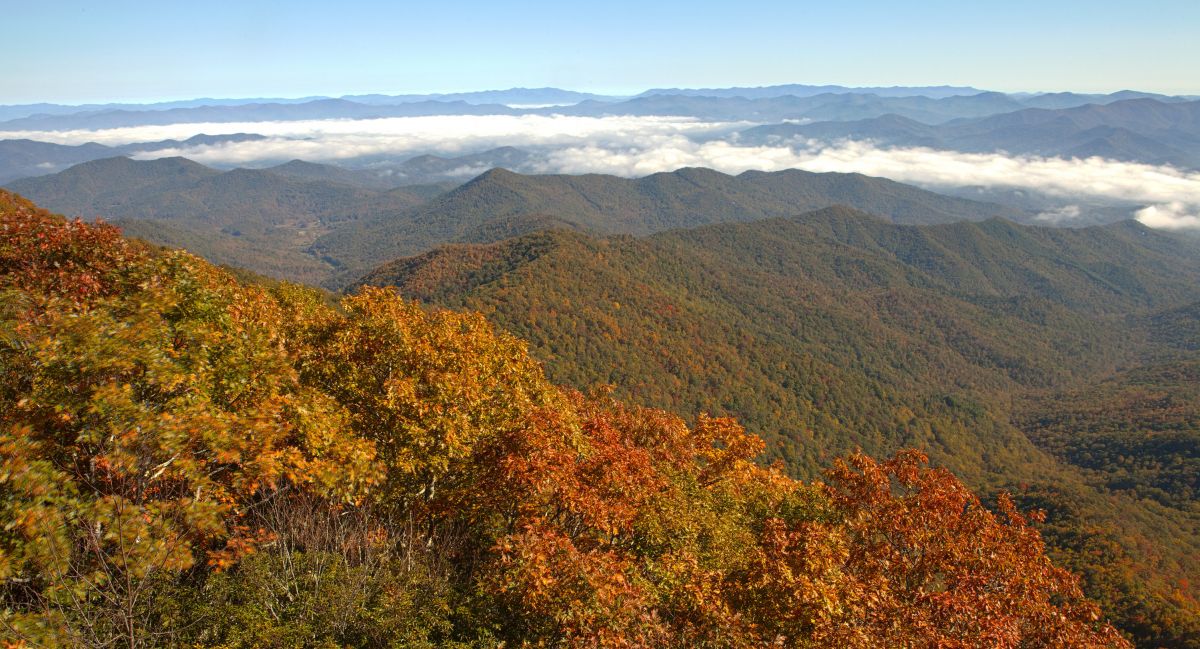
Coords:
pixel 912 558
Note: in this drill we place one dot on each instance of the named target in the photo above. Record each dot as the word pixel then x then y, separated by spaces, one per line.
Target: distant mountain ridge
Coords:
pixel 252 218
pixel 316 109
pixel 1144 130
pixel 511 95
pixel 324 224
pixel 559 96
pixel 29 158
pixel 613 205
pixel 24 158
pixel 802 90
pixel 774 103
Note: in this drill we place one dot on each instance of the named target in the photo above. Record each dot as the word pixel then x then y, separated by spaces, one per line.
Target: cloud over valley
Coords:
pixel 1164 197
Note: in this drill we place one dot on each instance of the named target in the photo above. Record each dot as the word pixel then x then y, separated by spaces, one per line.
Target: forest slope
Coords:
pixel 835 330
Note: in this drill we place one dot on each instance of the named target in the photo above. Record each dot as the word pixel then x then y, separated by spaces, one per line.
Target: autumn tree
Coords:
pixel 147 407
pixel 910 557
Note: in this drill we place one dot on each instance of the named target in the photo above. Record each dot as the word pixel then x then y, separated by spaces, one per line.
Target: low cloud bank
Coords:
pixel 1061 216
pixel 340 139
pixel 1173 195
pixel 637 146
pixel 1172 216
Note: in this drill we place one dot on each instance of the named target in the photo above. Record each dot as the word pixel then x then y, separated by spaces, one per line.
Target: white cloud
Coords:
pixel 1175 193
pixel 336 139
pixel 1062 215
pixel 1172 216
pixel 637 146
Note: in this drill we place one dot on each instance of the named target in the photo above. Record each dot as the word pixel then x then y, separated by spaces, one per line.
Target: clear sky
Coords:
pixel 72 51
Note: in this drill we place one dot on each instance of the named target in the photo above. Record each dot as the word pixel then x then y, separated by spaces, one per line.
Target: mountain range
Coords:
pixel 250 218
pixel 514 96
pixel 315 109
pixel 500 203
pixel 24 158
pixel 1141 130
pixel 559 96
pixel 323 224
pixel 773 104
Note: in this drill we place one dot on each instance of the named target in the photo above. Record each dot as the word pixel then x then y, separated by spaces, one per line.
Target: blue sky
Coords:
pixel 73 52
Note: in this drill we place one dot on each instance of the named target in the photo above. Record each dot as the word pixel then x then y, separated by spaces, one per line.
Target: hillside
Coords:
pixel 323 224
pixel 303 170
pixel 614 205
pixel 835 330
pixel 27 158
pixel 98 187
pixel 965 306
pixel 384 172
pixel 22 158
pixel 256 219
pixel 192 461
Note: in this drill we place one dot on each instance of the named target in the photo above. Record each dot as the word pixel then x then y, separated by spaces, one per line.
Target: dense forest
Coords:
pixel 191 460
pixel 1056 364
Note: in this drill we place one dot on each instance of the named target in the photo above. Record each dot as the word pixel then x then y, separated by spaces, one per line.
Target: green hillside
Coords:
pixel 251 218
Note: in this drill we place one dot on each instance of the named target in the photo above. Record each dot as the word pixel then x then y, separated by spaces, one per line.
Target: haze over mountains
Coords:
pixel 787 101
pixel 24 158
pixel 1044 146
pixel 278 187
pixel 1135 130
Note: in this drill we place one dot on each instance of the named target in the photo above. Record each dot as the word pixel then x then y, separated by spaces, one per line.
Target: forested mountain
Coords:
pixel 835 330
pixel 314 171
pixel 256 219
pixel 25 158
pixel 419 173
pixel 424 169
pixel 98 187
pixel 322 224
pixel 190 461
pixel 507 203
pixel 21 158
